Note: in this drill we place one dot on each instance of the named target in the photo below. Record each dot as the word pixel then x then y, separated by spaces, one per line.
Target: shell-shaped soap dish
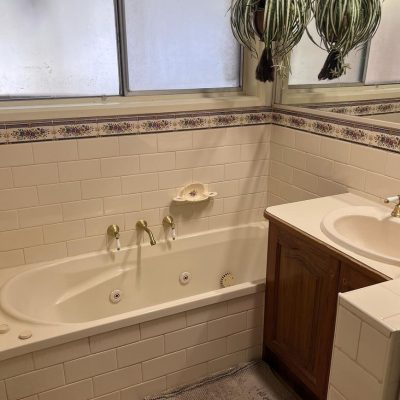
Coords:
pixel 194 193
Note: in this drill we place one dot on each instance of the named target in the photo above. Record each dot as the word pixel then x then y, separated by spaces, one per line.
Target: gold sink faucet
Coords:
pixel 396 210
pixel 142 224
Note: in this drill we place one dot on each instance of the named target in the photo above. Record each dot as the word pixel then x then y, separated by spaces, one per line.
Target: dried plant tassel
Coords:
pixel 265 70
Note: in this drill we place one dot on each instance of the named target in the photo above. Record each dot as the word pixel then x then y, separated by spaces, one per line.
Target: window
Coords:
pixel 376 65
pixel 85 48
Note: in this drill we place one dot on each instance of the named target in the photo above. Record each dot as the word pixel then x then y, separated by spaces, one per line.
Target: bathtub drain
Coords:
pixel 115 296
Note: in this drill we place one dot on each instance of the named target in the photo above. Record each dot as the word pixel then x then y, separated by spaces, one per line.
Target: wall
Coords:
pixel 57 198
pixel 305 166
pixel 130 363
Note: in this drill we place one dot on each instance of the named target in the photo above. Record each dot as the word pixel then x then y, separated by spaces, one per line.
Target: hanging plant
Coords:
pixel 279 24
pixel 344 25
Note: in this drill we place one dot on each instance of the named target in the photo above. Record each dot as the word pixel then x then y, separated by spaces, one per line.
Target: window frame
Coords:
pixel 251 94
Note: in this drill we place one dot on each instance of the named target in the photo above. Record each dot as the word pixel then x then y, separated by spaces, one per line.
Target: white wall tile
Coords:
pixel 3 394
pixel 373 351
pixel 164 365
pixel 175 179
pixel 140 351
pixel 351 380
pixel 257 151
pixel 307 142
pixel 246 303
pixel 227 326
pixel 90 366
pixel 335 149
pixel 130 145
pixel 244 340
pixel 61 353
pixel 392 165
pixel 186 338
pixel 367 158
pixel 117 380
pixel 115 338
pixel 283 136
pixel 16 366
pixel 205 157
pixel 46 152
pixel 206 352
pixel 139 183
pixel 209 174
pixel 63 231
pixel 82 390
pixel 46 252
pixel 333 394
pixel 319 166
pixel 59 193
pixel 31 175
pixel 157 162
pixel 139 392
pixel 347 333
pixel 120 166
pixel 246 169
pixel 82 209
pixel 122 204
pixel 86 245
pixel 35 382
pixel 37 216
pixel 208 313
pixel 6 178
pixel 92 189
pixel 162 325
pixel 223 363
pixel 187 375
pixel 292 157
pixel 98 226
pixel 12 155
pixel 21 238
pixel 8 220
pixel 11 258
pixel 172 141
pixel 11 199
pixel 98 148
pixel 79 170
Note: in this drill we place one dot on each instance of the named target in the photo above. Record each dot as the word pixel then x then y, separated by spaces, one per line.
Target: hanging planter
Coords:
pixel 279 24
pixel 344 25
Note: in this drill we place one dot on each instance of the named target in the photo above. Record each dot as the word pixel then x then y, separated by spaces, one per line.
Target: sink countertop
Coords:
pixel 379 304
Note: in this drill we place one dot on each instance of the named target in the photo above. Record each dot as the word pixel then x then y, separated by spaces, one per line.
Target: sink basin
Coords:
pixel 369 231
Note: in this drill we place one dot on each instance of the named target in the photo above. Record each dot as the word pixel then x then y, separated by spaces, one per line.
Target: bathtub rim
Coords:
pixel 50 335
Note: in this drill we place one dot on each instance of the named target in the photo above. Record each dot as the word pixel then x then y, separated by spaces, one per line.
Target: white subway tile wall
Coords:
pixel 57 198
pixel 361 361
pixel 140 360
pixel 306 166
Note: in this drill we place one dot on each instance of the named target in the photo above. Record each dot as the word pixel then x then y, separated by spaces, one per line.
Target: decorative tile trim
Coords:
pixel 365 107
pixel 335 127
pixel 131 124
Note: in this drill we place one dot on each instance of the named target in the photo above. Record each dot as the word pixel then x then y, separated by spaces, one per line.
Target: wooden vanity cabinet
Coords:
pixel 304 278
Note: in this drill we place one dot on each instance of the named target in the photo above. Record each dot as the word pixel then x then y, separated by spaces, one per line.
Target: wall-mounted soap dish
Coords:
pixel 194 193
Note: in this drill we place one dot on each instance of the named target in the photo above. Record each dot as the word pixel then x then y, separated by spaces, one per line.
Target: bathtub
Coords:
pixel 73 298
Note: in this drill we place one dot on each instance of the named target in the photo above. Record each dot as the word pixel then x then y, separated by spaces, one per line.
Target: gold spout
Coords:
pixel 396 210
pixel 142 224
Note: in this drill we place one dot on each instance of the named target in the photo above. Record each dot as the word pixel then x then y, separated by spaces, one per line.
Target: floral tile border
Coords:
pixel 360 108
pixel 334 127
pixel 131 124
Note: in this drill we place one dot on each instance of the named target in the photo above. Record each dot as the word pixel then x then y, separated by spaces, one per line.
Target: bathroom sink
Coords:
pixel 369 231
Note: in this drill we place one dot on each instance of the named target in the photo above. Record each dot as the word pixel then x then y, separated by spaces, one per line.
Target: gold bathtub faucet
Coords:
pixel 396 210
pixel 142 224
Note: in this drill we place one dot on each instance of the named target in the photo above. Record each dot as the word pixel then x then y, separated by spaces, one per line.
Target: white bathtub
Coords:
pixel 70 299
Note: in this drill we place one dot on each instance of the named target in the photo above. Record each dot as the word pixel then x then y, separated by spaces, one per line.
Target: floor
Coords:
pixel 250 381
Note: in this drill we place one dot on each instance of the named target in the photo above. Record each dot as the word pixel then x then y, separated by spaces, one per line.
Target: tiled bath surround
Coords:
pixel 132 362
pixel 57 198
pixel 304 166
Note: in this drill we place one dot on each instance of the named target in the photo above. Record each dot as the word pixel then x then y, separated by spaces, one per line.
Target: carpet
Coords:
pixel 250 381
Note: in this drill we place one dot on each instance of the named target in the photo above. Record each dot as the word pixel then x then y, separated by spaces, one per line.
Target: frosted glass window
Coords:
pixel 58 48
pixel 384 53
pixel 180 44
pixel 308 60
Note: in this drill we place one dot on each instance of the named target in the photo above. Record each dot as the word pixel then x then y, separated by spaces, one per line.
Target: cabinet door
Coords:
pixel 301 298
pixel 353 277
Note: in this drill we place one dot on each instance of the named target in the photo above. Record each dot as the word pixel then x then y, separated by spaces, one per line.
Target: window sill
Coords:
pixel 14 111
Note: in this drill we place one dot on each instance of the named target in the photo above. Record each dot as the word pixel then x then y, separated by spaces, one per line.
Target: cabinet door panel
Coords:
pixel 302 285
